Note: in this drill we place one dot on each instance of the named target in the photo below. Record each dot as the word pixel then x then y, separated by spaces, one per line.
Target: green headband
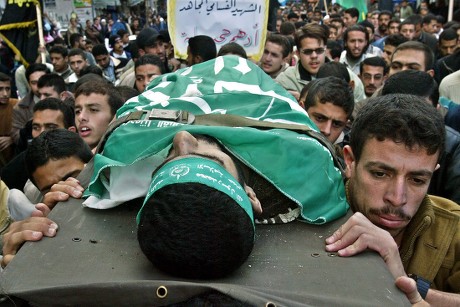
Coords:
pixel 199 170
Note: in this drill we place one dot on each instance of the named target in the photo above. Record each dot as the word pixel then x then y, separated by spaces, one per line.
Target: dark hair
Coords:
pixel 335 49
pixel 77 51
pixel 339 20
pixel 414 19
pixel 415 45
pixel 354 13
pixel 101 87
pixel 99 49
pixel 367 24
pixel 402 118
pixel 52 103
pixel 52 80
pixel 357 28
pixel 330 89
pixel 55 144
pixel 448 35
pixel 292 15
pixel 407 21
pixel 91 69
pixel 75 37
pixel 282 41
pixel 126 92
pixel 428 18
pixel 232 48
pixel 88 77
pixel 312 30
pixel 150 59
pixel 34 67
pixel 4 77
pixel 203 46
pixel 334 69
pixel 374 61
pixel 195 231
pixel 394 20
pixel 122 32
pixel 395 40
pixel 414 82
pixel 60 50
pixel 386 12
pixel 287 28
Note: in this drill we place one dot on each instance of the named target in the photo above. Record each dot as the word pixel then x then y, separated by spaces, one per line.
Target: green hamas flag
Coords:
pixel 18 28
pixel 299 166
pixel 361 5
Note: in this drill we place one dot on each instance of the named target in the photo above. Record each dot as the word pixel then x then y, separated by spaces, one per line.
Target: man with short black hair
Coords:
pixel 201 48
pixel 59 59
pixel 329 102
pixel 373 73
pixel 147 68
pixel 23 111
pixel 430 24
pixel 395 144
pixel 96 103
pixel 311 48
pixel 111 67
pixel 447 43
pixel 391 42
pixel 78 62
pixel 357 48
pixel 350 17
pixel 383 24
pixel 52 85
pixel 412 55
pixel 276 51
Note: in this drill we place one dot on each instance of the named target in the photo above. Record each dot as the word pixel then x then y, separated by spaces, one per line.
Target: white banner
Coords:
pixel 241 21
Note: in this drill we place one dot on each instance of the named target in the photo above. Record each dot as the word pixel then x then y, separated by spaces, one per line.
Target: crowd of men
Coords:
pixel 383 92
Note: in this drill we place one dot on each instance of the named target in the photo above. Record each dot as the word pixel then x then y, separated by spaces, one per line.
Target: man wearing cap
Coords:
pixel 219 173
pixel 118 51
pixel 149 41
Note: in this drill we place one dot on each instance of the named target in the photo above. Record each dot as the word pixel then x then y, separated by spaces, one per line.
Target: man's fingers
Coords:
pixel 52 198
pixel 71 186
pixel 409 287
pixel 42 210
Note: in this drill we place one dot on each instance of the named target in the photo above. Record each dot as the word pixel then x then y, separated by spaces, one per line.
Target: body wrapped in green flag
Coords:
pixel 297 165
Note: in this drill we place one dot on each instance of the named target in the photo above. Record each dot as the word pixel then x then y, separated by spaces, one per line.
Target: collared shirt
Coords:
pixel 109 72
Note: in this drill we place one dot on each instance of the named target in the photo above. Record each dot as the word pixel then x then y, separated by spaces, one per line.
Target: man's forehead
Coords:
pixel 75 58
pixel 36 75
pixel 56 55
pixel 95 99
pixel 367 67
pixel 48 116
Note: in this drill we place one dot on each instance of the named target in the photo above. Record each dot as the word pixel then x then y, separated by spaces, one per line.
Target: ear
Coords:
pixel 72 128
pixel 349 158
pixel 255 203
pixel 352 84
pixel 141 52
pixel 302 103
pixel 431 73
